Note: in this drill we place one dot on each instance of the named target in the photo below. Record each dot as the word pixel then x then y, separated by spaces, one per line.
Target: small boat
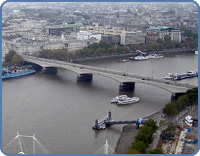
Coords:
pixel 128 100
pixel 167 77
pixel 121 61
pixel 17 73
pixel 140 58
pixel 154 56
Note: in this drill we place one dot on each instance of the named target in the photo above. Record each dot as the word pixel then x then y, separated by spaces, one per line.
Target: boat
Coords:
pixel 128 100
pixel 175 76
pixel 140 58
pixel 121 61
pixel 17 73
pixel 192 73
pixel 167 77
pixel 117 98
pixel 154 56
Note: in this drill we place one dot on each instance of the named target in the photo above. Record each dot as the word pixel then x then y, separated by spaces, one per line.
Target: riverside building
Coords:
pixel 155 33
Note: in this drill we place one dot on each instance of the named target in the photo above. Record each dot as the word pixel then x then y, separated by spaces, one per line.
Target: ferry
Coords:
pixel 175 76
pixel 140 58
pixel 16 73
pixel 154 56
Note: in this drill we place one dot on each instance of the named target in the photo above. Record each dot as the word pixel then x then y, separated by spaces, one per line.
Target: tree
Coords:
pixel 139 146
pixel 12 58
pixel 133 151
pixel 170 131
pixel 155 151
pixel 167 38
pixel 151 123
pixel 17 60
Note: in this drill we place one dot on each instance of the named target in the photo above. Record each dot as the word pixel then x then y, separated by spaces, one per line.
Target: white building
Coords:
pixel 85 35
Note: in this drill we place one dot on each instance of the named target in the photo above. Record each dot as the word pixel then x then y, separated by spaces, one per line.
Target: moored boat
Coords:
pixel 140 58
pixel 121 61
pixel 17 73
pixel 154 56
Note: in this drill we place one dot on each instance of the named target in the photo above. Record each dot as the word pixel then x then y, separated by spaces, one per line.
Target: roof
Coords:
pixel 162 28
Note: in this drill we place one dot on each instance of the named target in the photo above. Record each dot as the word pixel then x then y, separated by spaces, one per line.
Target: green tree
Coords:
pixel 12 58
pixel 155 151
pixel 167 38
pixel 151 123
pixel 139 146
pixel 133 151
pixel 17 60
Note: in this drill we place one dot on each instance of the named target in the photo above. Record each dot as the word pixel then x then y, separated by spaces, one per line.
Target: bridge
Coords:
pixel 107 121
pixel 127 80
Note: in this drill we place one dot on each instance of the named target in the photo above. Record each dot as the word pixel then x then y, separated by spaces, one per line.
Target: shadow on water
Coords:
pixel 126 92
pixel 84 84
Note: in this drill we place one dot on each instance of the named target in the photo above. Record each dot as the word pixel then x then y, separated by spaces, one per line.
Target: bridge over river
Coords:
pixel 127 80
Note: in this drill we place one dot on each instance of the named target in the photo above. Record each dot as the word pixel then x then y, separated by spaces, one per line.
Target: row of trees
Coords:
pixel 144 138
pixel 96 49
pixel 188 99
pixel 160 44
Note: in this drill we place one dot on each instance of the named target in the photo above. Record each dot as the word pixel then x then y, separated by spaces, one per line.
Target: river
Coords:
pixel 61 111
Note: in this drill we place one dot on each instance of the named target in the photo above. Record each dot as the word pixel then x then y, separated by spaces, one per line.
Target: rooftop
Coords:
pixel 161 28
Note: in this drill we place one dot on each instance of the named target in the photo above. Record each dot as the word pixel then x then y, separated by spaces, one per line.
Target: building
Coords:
pixel 155 33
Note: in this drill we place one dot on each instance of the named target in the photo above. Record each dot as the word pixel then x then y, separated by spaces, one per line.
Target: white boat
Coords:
pixel 128 100
pixel 121 61
pixel 153 56
pixel 140 58
pixel 117 98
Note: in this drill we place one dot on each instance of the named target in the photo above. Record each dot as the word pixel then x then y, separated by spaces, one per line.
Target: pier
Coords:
pixel 107 121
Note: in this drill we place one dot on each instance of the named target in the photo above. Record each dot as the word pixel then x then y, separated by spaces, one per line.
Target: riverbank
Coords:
pixel 129 132
pixel 121 56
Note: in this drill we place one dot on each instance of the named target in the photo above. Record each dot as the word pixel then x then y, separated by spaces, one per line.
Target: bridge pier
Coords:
pixel 84 77
pixel 127 86
pixel 175 96
pixel 49 70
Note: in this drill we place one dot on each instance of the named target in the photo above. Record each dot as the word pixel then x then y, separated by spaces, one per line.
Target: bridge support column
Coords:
pixel 84 77
pixel 175 96
pixel 127 86
pixel 49 70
